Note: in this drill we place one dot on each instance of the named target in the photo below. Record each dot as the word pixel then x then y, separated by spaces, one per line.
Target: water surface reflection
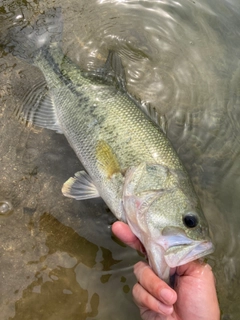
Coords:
pixel 183 58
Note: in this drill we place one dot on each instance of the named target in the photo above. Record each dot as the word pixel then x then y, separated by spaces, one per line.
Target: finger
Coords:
pixel 199 276
pixel 153 284
pixel 147 314
pixel 146 301
pixel 124 233
pixel 195 269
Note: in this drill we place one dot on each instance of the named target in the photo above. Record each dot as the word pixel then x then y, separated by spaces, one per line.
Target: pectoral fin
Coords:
pixel 80 187
pixel 107 160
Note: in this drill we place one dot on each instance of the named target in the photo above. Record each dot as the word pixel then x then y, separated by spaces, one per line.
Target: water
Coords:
pixel 58 259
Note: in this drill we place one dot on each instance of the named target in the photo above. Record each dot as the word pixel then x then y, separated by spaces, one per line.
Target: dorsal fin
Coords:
pixel 151 112
pixel 114 63
pixel 111 71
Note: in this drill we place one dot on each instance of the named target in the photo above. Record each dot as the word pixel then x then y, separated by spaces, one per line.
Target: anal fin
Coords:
pixel 80 187
pixel 37 108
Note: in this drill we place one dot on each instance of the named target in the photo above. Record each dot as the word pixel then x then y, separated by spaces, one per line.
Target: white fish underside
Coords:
pixel 129 161
pixel 89 113
pixel 111 135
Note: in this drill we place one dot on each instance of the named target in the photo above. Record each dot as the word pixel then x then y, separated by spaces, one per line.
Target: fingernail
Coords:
pixel 167 295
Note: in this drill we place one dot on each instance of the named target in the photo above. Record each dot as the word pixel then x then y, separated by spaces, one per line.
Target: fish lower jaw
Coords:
pixel 180 255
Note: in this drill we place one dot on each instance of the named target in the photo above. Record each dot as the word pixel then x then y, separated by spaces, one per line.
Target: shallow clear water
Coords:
pixel 58 259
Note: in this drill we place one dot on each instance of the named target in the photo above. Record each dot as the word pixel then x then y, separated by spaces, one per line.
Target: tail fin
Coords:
pixel 25 41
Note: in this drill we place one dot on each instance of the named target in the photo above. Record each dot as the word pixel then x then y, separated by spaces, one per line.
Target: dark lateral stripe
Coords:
pixel 64 77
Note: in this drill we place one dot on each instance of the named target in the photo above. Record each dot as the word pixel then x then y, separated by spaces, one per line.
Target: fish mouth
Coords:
pixel 181 254
pixel 180 249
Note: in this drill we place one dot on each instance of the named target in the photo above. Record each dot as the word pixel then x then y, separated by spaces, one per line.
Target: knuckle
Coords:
pixel 139 268
pixel 158 285
pixel 136 292
pixel 136 289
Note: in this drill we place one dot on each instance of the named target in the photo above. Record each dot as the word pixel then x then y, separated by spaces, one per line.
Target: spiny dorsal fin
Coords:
pixel 151 112
pixel 115 68
pixel 37 108
pixel 80 187
pixel 113 71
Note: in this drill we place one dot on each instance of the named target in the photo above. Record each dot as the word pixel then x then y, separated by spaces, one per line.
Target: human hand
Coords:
pixel 193 298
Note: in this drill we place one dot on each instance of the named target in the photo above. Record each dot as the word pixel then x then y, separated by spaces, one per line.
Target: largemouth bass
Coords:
pixel 129 162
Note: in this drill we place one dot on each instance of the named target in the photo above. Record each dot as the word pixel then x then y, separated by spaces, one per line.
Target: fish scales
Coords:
pixel 114 118
pixel 129 161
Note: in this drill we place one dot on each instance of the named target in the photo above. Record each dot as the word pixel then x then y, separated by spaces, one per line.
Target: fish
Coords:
pixel 128 159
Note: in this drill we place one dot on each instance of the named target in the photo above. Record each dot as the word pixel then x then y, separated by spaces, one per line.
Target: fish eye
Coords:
pixel 190 220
